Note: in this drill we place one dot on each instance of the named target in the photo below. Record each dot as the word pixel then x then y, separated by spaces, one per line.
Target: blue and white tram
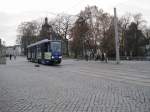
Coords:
pixel 45 52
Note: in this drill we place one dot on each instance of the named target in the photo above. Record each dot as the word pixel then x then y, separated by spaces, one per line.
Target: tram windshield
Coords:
pixel 56 46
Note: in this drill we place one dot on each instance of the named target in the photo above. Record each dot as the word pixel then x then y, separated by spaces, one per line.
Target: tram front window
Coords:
pixel 56 46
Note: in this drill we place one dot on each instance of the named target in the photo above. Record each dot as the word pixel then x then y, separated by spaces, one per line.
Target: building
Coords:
pixel 2 53
pixel 14 50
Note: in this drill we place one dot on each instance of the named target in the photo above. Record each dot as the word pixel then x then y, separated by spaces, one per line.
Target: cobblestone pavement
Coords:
pixel 75 86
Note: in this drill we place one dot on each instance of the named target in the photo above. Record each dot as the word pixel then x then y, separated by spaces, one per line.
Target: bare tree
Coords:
pixel 138 19
pixel 78 34
pixel 124 22
pixel 61 25
pixel 98 22
pixel 27 33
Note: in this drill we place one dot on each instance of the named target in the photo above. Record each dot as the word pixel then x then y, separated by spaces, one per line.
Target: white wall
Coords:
pixel 13 50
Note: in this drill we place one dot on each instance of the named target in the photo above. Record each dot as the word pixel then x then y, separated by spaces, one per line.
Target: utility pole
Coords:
pixel 116 37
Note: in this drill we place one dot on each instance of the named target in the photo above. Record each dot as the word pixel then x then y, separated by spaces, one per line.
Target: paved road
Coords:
pixel 75 86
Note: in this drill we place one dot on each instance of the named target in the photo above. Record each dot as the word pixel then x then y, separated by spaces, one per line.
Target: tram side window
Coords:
pixel 38 49
pixel 34 52
pixel 49 47
pixel 46 47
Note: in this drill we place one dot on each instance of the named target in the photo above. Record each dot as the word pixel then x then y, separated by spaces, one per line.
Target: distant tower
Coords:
pixel 46 20
pixel 46 30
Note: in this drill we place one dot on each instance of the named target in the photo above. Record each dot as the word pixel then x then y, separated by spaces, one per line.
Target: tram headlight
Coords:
pixel 60 56
pixel 53 57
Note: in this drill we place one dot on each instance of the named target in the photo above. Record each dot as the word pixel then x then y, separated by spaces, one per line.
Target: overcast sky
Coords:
pixel 13 12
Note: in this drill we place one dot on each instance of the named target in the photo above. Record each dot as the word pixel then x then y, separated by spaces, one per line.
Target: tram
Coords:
pixel 45 52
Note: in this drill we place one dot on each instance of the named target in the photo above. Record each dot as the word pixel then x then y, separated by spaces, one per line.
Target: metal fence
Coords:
pixel 137 58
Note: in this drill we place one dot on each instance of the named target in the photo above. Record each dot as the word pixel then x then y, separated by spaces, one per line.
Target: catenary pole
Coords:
pixel 116 36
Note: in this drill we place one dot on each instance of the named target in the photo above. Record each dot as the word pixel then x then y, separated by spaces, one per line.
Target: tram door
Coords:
pixel 45 50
